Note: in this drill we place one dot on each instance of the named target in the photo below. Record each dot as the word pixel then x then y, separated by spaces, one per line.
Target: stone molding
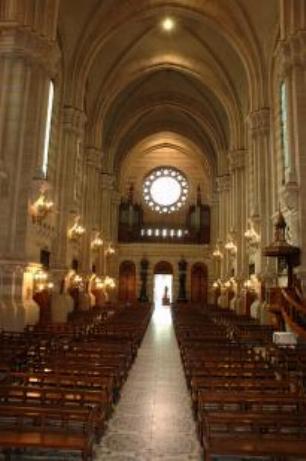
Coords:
pixel 20 42
pixel 93 157
pixel 107 181
pixel 259 122
pixel 237 159
pixel 74 120
pixel 292 53
pixel 224 183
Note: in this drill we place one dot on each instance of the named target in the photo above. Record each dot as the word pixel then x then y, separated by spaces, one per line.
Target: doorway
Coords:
pixel 163 285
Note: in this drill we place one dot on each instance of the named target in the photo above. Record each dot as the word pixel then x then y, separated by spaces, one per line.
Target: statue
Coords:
pixel 165 298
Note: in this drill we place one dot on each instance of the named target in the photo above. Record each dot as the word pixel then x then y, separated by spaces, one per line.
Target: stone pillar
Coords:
pixel 71 185
pixel 91 208
pixel 261 179
pixel 238 209
pixel 107 192
pixel 292 70
pixel 224 190
pixel 28 61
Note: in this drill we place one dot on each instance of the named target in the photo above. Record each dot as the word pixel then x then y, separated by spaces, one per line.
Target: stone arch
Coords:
pixel 163 267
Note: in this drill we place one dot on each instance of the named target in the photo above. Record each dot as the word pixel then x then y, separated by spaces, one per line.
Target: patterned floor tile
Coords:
pixel 153 420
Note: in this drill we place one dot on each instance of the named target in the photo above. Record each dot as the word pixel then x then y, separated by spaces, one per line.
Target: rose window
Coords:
pixel 165 189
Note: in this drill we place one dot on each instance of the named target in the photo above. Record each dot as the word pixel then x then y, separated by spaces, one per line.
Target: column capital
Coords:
pixel 259 122
pixel 237 159
pixel 93 157
pixel 74 120
pixel 291 53
pixel 224 183
pixel 107 181
pixel 20 42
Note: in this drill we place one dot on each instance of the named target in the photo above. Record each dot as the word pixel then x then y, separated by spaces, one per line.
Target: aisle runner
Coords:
pixel 153 420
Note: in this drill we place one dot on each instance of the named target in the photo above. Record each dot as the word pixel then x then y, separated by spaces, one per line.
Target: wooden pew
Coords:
pixel 47 428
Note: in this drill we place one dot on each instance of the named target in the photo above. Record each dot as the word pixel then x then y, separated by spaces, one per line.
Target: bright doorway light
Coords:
pixel 162 313
pixel 168 24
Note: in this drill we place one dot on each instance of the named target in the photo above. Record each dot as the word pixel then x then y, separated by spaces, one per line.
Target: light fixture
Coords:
pixel 41 281
pixel 41 207
pixel 217 253
pixel 230 246
pixel 168 24
pixel 248 284
pixel 97 242
pixel 77 230
pixel 109 250
pixel 252 237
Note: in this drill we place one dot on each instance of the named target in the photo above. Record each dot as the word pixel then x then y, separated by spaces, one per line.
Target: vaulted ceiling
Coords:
pixel 189 89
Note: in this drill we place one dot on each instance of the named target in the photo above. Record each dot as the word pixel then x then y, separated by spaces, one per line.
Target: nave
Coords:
pixel 153 420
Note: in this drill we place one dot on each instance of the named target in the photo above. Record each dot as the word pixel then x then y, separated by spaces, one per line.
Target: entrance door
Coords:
pixel 127 282
pixel 163 282
pixel 199 283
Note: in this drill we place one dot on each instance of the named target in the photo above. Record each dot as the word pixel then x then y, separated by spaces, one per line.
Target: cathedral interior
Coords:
pixel 152 230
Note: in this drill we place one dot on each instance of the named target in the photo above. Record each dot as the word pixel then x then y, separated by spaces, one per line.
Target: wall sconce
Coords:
pixel 217 253
pixel 97 242
pixel 230 246
pixel 109 282
pixel 248 284
pixel 252 237
pixel 76 281
pixel 77 230
pixel 109 250
pixel 40 208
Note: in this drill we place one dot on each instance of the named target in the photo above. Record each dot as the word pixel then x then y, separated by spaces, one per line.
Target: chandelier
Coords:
pixel 41 207
pixel 97 242
pixel 77 230
pixel 230 246
pixel 217 254
pixel 252 237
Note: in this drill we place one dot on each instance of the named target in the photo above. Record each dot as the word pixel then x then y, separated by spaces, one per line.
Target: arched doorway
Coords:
pixel 163 283
pixel 127 282
pixel 199 282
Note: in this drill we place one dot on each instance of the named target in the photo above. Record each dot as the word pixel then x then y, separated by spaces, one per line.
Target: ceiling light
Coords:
pixel 168 24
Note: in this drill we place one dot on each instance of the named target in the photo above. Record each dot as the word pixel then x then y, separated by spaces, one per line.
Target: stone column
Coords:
pixel 292 68
pixel 237 168
pixel 107 192
pixel 224 227
pixel 71 185
pixel 91 209
pixel 28 61
pixel 261 178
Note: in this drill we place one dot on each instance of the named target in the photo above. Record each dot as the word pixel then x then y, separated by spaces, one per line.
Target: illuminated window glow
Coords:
pixel 284 124
pixel 48 129
pixel 165 190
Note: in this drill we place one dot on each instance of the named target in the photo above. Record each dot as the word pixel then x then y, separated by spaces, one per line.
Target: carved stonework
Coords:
pixel 224 183
pixel 22 42
pixel 237 159
pixel 290 195
pixel 107 181
pixel 291 53
pixel 74 120
pixel 259 122
pixel 93 157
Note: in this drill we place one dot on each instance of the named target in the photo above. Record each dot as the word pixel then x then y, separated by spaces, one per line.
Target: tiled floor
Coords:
pixel 153 419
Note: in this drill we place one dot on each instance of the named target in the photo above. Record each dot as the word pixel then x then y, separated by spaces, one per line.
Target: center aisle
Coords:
pixel 153 419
